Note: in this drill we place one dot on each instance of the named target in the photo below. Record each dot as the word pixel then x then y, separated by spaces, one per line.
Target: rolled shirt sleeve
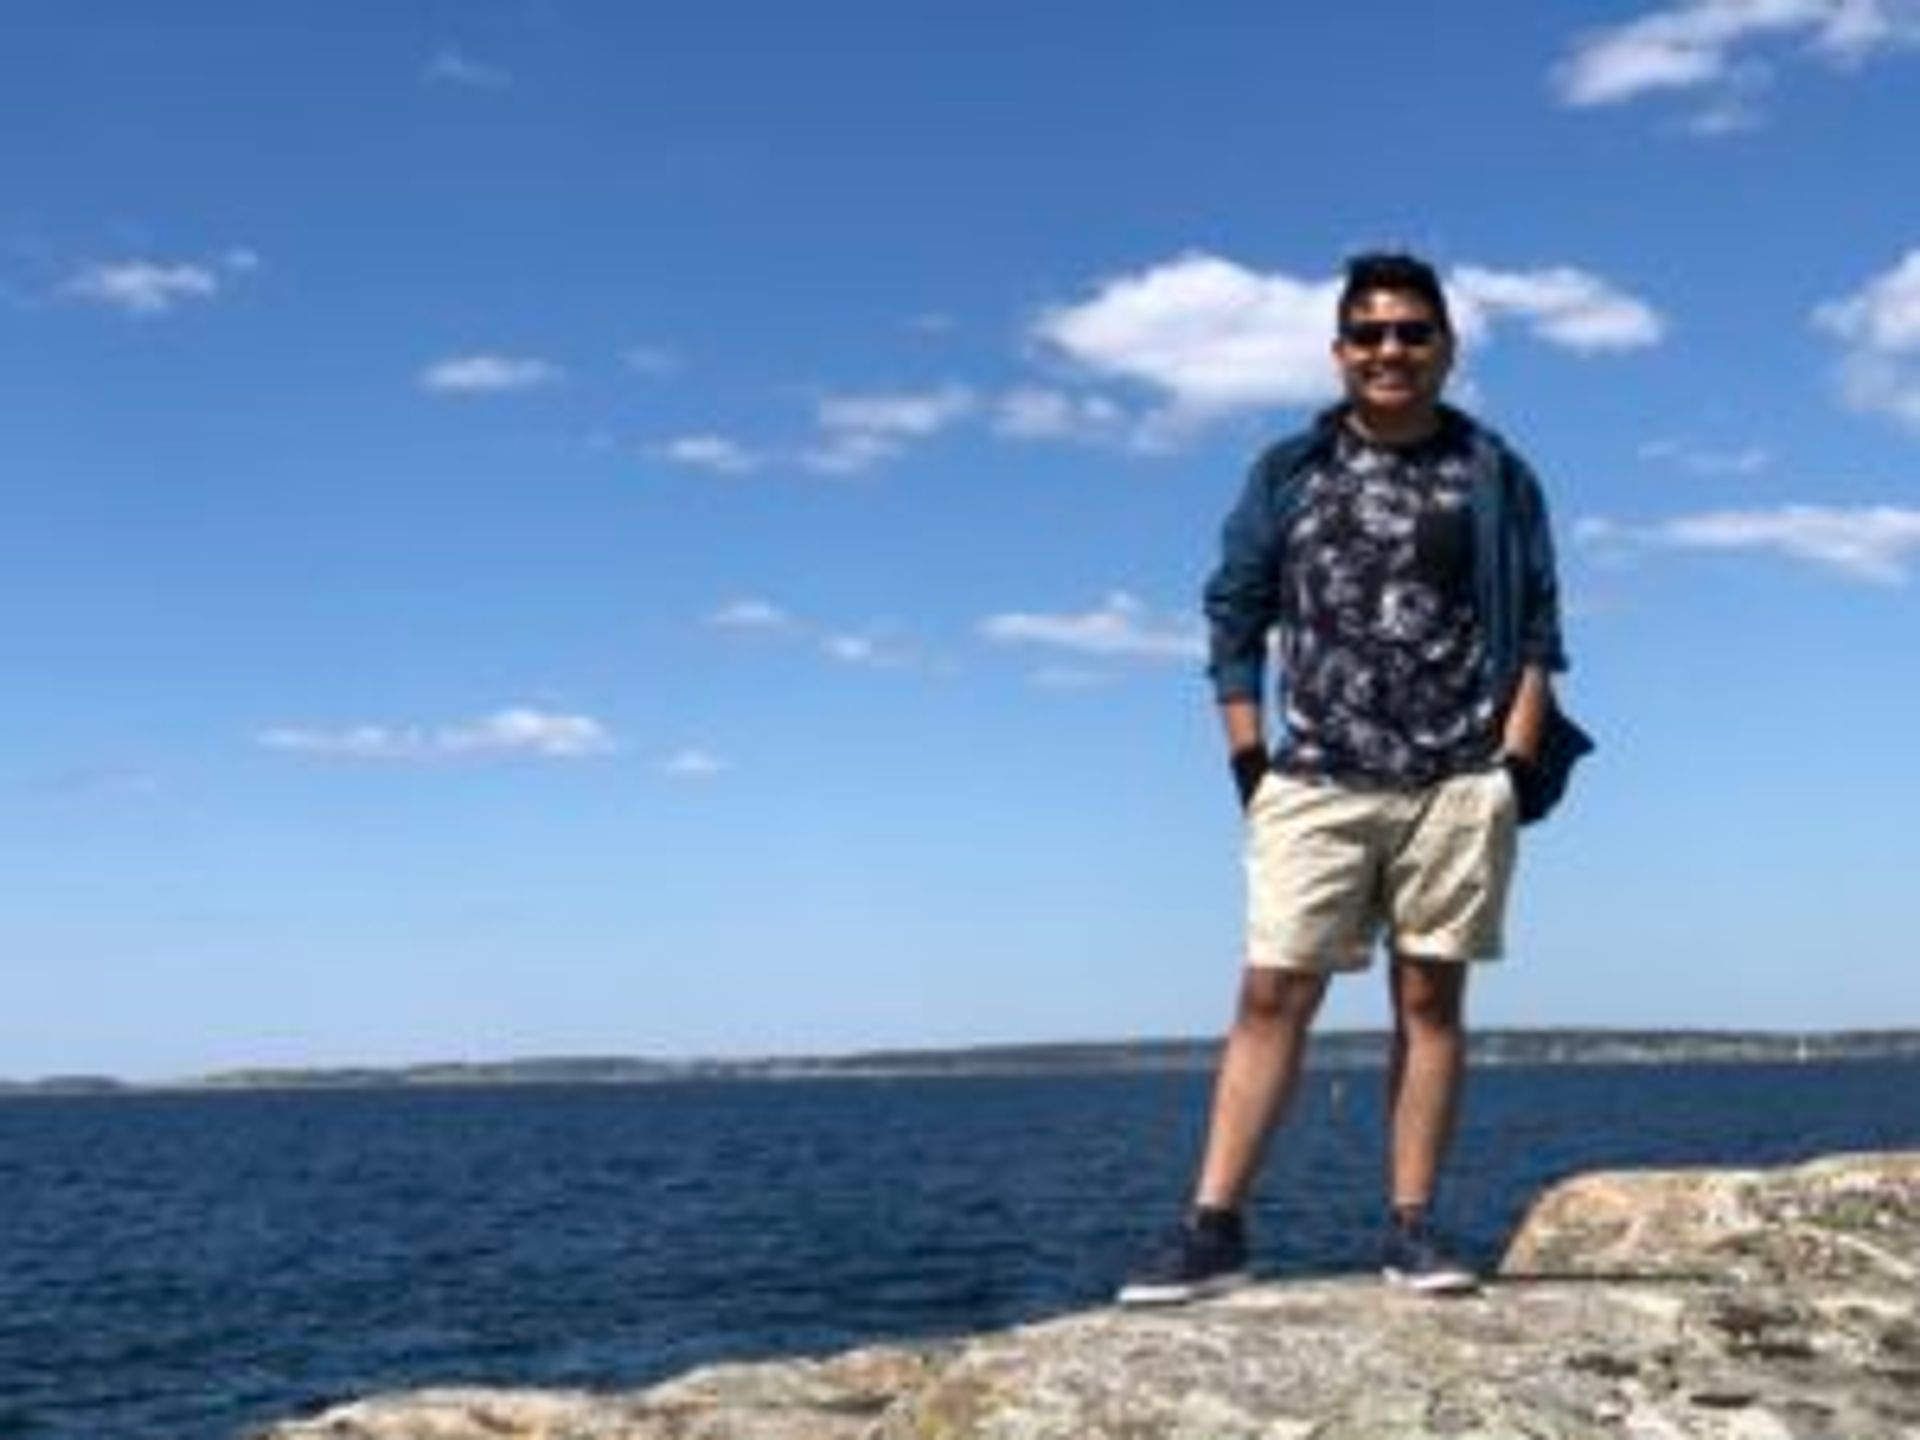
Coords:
pixel 1540 639
pixel 1242 596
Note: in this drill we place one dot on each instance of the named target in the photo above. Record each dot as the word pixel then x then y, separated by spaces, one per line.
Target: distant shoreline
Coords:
pixel 1333 1050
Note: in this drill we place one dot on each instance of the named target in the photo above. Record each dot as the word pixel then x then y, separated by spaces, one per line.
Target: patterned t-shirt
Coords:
pixel 1380 642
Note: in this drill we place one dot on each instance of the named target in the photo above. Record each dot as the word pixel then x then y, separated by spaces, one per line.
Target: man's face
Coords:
pixel 1393 356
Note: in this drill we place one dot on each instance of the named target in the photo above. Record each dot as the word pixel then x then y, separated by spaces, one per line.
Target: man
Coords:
pixel 1400 552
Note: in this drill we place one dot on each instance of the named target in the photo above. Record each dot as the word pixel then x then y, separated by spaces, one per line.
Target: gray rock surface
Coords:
pixel 1747 1305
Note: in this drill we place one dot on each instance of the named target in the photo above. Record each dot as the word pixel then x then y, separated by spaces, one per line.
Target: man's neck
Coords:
pixel 1394 432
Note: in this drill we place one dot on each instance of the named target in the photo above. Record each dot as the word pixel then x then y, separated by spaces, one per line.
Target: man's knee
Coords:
pixel 1279 999
pixel 1430 996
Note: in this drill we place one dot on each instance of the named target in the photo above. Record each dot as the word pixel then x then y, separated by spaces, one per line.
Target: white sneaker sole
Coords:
pixel 1144 1295
pixel 1443 1282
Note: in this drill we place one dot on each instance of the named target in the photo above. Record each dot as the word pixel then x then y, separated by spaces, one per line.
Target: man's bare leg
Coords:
pixel 1424 1078
pixel 1258 1070
pixel 1207 1253
pixel 1424 1074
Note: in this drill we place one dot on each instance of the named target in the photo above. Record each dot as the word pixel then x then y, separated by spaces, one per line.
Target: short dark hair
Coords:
pixel 1393 270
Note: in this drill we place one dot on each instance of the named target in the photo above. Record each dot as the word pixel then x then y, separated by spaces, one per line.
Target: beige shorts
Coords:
pixel 1332 868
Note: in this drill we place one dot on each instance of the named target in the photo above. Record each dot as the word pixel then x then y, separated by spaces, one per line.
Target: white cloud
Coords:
pixel 1700 460
pixel 1562 306
pixel 752 614
pixel 850 453
pixel 1872 543
pixel 453 66
pixel 533 732
pixel 1882 385
pixel 694 763
pixel 880 645
pixel 1213 338
pixel 1070 677
pixel 653 361
pixel 101 783
pixel 1034 412
pixel 488 375
pixel 1655 52
pixel 874 649
pixel 851 649
pixel 860 431
pixel 514 732
pixel 1120 628
pixel 913 414
pixel 1710 47
pixel 717 453
pixel 1210 335
pixel 1880 327
pixel 1595 530
pixel 144 287
pixel 1732 108
pixel 1884 314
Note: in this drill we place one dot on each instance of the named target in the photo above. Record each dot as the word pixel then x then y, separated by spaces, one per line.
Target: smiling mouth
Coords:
pixel 1395 378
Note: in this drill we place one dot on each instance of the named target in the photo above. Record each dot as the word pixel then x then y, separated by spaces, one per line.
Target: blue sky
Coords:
pixel 543 527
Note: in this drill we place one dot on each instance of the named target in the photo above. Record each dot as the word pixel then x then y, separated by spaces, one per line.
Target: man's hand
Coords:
pixel 1520 741
pixel 1246 746
pixel 1525 775
pixel 1250 765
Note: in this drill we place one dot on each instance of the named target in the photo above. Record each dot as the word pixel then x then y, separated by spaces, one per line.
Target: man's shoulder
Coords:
pixel 1281 459
pixel 1284 457
pixel 1499 459
pixel 1462 427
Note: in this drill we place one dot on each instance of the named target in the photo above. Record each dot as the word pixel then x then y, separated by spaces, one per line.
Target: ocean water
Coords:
pixel 186 1267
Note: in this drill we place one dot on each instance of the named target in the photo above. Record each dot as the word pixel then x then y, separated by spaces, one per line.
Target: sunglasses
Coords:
pixel 1372 334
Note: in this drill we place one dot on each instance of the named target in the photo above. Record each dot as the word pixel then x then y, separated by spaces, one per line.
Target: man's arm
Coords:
pixel 1242 721
pixel 1242 602
pixel 1520 741
pixel 1531 710
pixel 1246 746
pixel 1527 715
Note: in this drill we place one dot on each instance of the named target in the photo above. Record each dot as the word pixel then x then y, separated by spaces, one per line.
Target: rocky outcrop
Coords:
pixel 1740 1304
pixel 835 1399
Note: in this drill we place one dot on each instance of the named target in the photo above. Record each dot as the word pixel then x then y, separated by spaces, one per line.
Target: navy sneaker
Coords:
pixel 1203 1256
pixel 1414 1260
